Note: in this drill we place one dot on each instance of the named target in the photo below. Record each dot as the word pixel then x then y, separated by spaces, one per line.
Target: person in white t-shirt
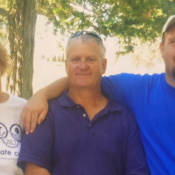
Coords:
pixel 10 124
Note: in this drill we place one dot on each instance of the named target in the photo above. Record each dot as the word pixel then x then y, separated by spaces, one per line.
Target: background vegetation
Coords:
pixel 132 22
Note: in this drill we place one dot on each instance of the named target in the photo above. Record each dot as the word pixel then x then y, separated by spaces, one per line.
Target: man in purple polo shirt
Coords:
pixel 85 132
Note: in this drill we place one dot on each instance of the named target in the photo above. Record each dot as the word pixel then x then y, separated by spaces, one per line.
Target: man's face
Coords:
pixel 84 63
pixel 168 52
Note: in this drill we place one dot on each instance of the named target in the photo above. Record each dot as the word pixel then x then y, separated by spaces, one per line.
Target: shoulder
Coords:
pixel 127 118
pixel 126 115
pixel 54 102
pixel 124 111
pixel 62 101
pixel 17 100
pixel 55 105
pixel 133 79
pixel 155 77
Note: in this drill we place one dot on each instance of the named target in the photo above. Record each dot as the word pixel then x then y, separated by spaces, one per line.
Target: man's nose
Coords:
pixel 83 64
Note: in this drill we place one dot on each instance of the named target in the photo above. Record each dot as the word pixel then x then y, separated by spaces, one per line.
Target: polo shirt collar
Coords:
pixel 112 106
pixel 65 100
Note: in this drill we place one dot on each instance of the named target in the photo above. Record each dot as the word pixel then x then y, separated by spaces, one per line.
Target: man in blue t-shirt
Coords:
pixel 85 132
pixel 151 98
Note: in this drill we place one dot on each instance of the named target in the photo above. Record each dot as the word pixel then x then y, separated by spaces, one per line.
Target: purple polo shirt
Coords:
pixel 68 143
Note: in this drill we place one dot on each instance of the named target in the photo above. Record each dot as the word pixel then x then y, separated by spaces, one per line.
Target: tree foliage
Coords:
pixel 125 19
pixel 20 15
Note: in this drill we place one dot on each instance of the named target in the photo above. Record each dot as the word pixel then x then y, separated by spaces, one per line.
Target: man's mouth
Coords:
pixel 82 74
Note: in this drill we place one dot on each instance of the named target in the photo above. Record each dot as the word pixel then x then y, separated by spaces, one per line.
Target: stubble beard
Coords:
pixel 173 73
pixel 170 76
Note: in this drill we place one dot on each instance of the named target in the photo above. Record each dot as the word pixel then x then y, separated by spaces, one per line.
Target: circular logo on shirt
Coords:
pixel 3 129
pixel 9 140
pixel 12 137
pixel 16 132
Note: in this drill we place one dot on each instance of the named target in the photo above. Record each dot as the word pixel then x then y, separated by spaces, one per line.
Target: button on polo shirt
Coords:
pixel 68 144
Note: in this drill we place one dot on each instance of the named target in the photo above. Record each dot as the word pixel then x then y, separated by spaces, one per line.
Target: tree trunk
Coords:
pixel 22 20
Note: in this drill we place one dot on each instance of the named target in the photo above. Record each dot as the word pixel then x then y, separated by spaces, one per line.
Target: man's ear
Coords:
pixel 161 47
pixel 104 65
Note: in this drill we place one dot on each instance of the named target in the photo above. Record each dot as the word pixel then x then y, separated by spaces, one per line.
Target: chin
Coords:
pixel 82 85
pixel 82 82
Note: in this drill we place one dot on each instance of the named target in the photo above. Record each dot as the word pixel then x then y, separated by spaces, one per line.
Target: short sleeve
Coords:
pixel 37 147
pixel 123 87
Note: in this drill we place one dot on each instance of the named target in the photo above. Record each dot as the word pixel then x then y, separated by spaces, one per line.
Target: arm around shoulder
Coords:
pixel 36 108
pixel 123 87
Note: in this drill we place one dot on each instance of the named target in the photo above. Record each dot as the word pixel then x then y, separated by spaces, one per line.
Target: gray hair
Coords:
pixel 85 37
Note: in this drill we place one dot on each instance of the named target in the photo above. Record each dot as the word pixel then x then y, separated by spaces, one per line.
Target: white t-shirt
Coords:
pixel 10 135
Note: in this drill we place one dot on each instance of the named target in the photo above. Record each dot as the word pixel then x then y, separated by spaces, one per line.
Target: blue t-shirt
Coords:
pixel 68 143
pixel 152 101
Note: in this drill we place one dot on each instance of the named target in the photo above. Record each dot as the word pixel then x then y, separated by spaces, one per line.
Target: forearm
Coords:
pixel 55 89
pixel 33 169
pixel 36 109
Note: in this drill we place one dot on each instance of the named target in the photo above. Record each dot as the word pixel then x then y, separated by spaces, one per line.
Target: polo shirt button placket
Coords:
pixel 84 115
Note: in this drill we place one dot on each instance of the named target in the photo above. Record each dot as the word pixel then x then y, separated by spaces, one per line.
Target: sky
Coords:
pixel 47 45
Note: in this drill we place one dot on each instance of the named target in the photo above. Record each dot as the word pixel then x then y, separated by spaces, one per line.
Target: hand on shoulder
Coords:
pixel 34 111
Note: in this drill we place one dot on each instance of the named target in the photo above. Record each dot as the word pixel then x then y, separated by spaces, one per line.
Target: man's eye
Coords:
pixel 74 60
pixel 173 41
pixel 91 59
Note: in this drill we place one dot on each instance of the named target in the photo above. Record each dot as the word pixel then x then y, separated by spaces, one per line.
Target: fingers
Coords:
pixel 33 122
pixel 35 107
pixel 23 118
pixel 31 118
pixel 28 118
pixel 42 116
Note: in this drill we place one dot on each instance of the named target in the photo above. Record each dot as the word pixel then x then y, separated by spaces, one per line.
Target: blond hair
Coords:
pixel 4 60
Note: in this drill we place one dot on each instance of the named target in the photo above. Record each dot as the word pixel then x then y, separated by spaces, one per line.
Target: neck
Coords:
pixel 3 97
pixel 170 79
pixel 90 98
pixel 85 95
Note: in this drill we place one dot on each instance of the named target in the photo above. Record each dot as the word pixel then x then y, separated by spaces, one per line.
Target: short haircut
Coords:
pixel 85 37
pixel 163 35
pixel 4 60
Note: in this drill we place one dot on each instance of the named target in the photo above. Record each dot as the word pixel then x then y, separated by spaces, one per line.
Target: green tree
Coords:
pixel 20 16
pixel 124 19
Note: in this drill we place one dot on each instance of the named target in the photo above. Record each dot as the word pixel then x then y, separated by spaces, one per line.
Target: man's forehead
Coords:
pixel 88 44
pixel 171 32
pixel 79 40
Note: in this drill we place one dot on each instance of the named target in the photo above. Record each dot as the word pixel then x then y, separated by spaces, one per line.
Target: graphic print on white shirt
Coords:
pixel 10 141
pixel 10 135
